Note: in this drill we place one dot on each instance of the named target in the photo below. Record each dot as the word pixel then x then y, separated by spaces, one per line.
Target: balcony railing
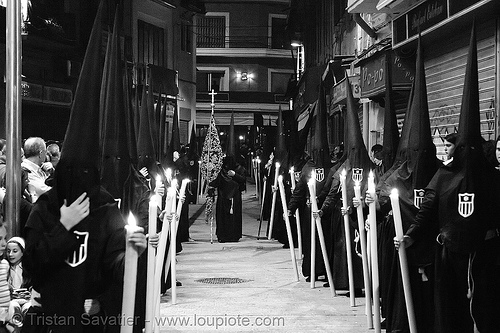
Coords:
pixel 241 97
pixel 241 42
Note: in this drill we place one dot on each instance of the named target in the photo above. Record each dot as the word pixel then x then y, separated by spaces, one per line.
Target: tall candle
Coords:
pixel 314 208
pixel 297 215
pixel 173 245
pixel 273 203
pixel 153 213
pixel 312 185
pixel 158 183
pixel 162 245
pixel 292 177
pixel 259 180
pixel 288 228
pixel 398 225
pixel 372 218
pixel 364 257
pixel 129 278
pixel 198 188
pixel 347 231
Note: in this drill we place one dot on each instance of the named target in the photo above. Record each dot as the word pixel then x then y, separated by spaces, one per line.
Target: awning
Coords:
pixel 304 116
pixel 338 92
pixel 392 5
pixel 224 118
pixel 363 6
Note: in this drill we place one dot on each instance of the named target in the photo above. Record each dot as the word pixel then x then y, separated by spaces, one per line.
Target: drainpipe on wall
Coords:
pixel 362 23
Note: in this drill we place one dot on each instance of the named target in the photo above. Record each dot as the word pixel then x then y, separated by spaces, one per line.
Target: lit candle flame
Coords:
pixel 277 164
pixel 394 192
pixel 131 220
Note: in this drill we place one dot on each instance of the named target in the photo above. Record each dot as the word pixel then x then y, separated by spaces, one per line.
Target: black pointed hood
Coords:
pixel 467 189
pixel 115 164
pixel 391 132
pixel 193 153
pixel 281 154
pixel 421 153
pixel 468 152
pixel 358 164
pixel 145 147
pixel 231 139
pixel 77 171
pixel 320 152
pixel 175 140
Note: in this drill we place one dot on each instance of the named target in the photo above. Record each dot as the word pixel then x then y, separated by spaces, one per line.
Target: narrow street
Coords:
pixel 250 286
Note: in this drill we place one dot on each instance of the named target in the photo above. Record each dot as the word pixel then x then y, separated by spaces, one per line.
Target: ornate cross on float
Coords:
pixel 212 105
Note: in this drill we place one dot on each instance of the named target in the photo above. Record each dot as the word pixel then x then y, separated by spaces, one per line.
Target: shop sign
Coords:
pixel 373 75
pixel 339 91
pixel 425 15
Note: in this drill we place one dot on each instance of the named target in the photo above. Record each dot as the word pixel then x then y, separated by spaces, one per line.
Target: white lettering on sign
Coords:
pixel 427 13
pixel 370 78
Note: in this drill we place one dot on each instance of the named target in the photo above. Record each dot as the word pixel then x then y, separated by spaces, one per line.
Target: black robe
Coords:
pixel 301 199
pixel 182 171
pixel 63 279
pixel 279 228
pixel 228 214
pixel 338 254
pixel 465 245
pixel 420 258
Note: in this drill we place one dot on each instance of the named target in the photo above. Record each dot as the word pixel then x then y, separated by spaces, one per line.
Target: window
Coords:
pixel 279 82
pixel 216 78
pixel 212 30
pixel 206 81
pixel 186 37
pixel 150 44
pixel 277 32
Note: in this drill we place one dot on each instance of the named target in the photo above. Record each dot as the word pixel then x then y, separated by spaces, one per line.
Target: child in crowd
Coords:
pixel 4 272
pixel 18 284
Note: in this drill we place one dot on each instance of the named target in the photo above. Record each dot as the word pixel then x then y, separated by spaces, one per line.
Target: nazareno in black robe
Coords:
pixel 228 214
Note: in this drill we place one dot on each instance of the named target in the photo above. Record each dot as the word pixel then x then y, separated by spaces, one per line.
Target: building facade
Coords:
pixel 364 36
pixel 244 55
pixel 157 41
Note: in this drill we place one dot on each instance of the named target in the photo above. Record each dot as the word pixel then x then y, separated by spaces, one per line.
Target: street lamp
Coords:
pixel 301 62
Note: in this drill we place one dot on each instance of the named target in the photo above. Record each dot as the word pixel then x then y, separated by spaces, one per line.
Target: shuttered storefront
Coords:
pixel 445 71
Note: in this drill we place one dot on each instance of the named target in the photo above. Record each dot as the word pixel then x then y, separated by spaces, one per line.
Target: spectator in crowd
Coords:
pixel 18 283
pixel 35 152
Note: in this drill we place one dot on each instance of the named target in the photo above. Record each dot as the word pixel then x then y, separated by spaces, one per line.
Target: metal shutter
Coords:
pixel 445 71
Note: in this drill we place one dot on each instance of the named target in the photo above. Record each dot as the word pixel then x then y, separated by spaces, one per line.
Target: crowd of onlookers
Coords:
pixel 38 162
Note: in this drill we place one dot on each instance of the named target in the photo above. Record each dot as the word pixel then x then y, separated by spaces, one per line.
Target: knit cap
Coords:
pixel 19 241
